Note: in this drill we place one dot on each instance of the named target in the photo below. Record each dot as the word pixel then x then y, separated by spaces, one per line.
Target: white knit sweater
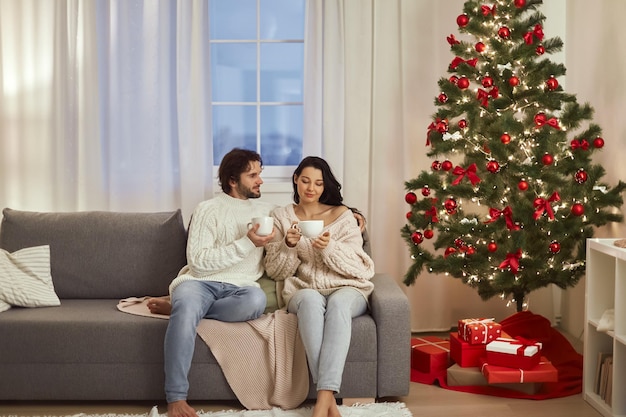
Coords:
pixel 218 248
pixel 342 263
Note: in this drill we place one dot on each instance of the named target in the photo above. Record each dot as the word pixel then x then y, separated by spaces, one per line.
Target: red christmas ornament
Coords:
pixel 547 159
pixel 540 50
pixel 449 251
pixel 580 176
pixel 458 242
pixel 446 165
pixel 493 166
pixel 454 79
pixel 462 20
pixel 450 205
pixel 552 83
pixel 505 138
pixel 410 197
pixel 442 98
pixel 504 32
pixel 463 83
pixel 519 3
pixel 409 214
pixel 598 143
pixel 426 191
pixel 442 126
pixel 514 81
pixel 487 82
pixel 417 238
pixel 462 123
pixel 555 247
pixel 470 250
pixel 522 185
pixel 428 233
pixel 480 47
pixel 436 165
pixel 492 247
pixel 578 209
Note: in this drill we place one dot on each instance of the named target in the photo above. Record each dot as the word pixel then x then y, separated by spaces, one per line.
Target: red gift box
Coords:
pixel 479 331
pixel 543 372
pixel 430 354
pixel 514 353
pixel 463 353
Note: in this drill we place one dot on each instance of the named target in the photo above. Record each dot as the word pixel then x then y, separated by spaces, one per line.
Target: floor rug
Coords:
pixel 391 409
pixel 555 347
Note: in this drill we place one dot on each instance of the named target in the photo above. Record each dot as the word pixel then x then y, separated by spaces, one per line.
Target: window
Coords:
pixel 257 64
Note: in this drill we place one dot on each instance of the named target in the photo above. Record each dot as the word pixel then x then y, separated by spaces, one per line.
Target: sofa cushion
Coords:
pixel 98 254
pixel 25 279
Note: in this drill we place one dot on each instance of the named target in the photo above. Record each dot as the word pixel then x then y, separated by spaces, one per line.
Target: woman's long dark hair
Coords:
pixel 332 187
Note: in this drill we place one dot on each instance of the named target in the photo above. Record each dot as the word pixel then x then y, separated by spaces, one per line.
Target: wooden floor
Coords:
pixel 423 401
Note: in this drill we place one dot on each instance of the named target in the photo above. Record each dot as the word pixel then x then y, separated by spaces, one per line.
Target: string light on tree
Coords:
pixel 522 150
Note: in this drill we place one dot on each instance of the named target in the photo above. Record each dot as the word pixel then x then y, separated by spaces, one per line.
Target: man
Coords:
pixel 219 282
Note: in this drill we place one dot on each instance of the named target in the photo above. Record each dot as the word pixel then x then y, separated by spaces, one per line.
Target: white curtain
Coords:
pixel 104 105
pixel 382 60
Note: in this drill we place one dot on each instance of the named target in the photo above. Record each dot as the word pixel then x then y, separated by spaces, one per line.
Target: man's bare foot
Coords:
pixel 326 405
pixel 180 409
pixel 160 305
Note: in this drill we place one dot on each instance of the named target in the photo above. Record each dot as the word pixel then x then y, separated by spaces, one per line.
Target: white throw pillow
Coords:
pixel 25 279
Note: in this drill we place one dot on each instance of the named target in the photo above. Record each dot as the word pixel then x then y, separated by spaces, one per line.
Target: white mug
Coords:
pixel 266 224
pixel 310 228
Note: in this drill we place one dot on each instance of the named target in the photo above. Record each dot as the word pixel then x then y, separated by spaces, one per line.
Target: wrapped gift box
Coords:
pixel 472 376
pixel 479 331
pixel 465 354
pixel 543 372
pixel 430 354
pixel 514 353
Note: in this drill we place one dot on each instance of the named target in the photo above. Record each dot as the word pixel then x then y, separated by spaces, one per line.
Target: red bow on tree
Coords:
pixel 458 61
pixel 432 213
pixel 486 10
pixel 483 95
pixel 580 144
pixel 452 40
pixel 541 204
pixel 512 261
pixel 537 32
pixel 541 119
pixel 470 172
pixel 508 217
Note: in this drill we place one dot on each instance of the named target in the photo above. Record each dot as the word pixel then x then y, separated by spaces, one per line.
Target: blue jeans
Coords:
pixel 325 325
pixel 191 302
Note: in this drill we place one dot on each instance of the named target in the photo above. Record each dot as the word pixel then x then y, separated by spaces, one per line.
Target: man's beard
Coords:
pixel 247 192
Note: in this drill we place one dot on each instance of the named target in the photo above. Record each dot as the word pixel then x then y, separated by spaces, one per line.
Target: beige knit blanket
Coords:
pixel 263 360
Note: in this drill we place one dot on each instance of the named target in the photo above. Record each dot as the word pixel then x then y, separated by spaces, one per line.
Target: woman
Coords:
pixel 326 279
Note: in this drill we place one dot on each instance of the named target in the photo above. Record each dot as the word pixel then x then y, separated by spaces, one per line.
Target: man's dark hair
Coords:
pixel 235 163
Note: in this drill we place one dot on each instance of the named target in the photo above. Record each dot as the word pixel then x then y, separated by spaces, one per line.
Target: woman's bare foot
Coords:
pixel 180 409
pixel 326 405
pixel 160 305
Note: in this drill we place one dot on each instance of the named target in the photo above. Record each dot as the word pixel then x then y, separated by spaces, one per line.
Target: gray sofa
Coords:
pixel 85 349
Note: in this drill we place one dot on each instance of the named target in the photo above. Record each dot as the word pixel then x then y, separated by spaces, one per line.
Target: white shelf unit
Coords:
pixel 605 289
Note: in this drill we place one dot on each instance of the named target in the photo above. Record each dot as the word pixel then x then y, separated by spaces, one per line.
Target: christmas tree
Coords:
pixel 512 193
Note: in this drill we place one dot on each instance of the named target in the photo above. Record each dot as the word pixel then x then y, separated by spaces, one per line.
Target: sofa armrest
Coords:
pixel 390 310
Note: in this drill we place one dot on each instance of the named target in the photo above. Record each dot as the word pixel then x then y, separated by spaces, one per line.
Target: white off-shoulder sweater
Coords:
pixel 342 263
pixel 218 248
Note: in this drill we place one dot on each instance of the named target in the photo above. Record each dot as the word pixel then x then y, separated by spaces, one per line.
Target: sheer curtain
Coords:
pixel 382 60
pixel 104 105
